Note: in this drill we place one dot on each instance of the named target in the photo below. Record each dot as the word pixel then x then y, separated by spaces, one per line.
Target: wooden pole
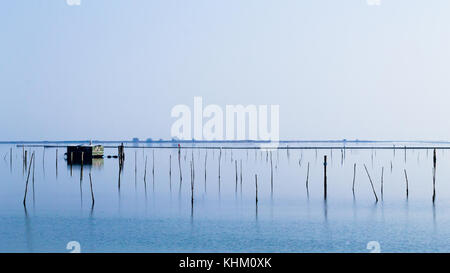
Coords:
pixel 26 184
pixel 220 156
pixel 434 175
pixel 325 177
pixel 307 180
pixel 206 157
pixel 371 183
pixel 145 174
pixel 179 164
pixel 406 178
pixel 34 165
pixel 405 153
pixel 56 162
pixel 241 177
pixel 271 173
pixel 382 173
pixel 256 184
pixel 354 177
pixel 25 160
pixel 192 183
pixel 92 192
pixel 82 163
pixel 236 176
pixel 71 162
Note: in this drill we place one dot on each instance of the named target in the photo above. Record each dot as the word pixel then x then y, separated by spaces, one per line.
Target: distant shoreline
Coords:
pixel 216 141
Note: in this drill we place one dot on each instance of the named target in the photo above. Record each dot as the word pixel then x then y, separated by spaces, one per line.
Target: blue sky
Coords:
pixel 112 69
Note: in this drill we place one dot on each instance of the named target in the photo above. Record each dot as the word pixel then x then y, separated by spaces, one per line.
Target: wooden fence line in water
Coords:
pixel 268 155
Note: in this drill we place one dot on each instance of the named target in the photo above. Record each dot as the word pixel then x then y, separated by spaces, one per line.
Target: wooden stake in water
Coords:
pixel 241 177
pixel 26 184
pixel 170 172
pixel 307 180
pixel 34 161
pixel 192 183
pixel 220 156
pixel 325 177
pixel 406 179
pixel 371 183
pixel 206 157
pixel 354 176
pixel 135 168
pixel 382 173
pixel 236 171
pixel 71 162
pixel 434 175
pixel 25 160
pixel 145 174
pixel 92 192
pixel 405 154
pixel 82 163
pixel 56 162
pixel 256 184
pixel 153 165
pixel 271 174
pixel 179 164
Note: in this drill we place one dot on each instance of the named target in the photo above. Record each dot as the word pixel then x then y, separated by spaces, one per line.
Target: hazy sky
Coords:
pixel 112 69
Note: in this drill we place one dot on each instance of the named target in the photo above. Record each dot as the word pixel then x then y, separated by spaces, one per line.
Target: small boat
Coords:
pixel 84 153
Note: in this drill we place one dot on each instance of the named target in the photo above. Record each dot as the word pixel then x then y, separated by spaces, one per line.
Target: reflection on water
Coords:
pixel 204 200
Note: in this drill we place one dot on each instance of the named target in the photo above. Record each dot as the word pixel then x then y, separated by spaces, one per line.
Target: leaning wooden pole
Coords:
pixel 92 192
pixel 26 184
pixel 406 179
pixel 371 183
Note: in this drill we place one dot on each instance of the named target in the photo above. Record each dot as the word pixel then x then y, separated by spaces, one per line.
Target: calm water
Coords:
pixel 155 215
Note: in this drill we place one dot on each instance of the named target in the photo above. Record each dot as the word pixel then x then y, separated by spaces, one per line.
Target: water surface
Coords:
pixel 156 214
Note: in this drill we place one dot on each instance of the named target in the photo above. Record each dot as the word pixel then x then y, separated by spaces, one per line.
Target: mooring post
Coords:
pixel 56 162
pixel 82 163
pixel 325 177
pixel 434 174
